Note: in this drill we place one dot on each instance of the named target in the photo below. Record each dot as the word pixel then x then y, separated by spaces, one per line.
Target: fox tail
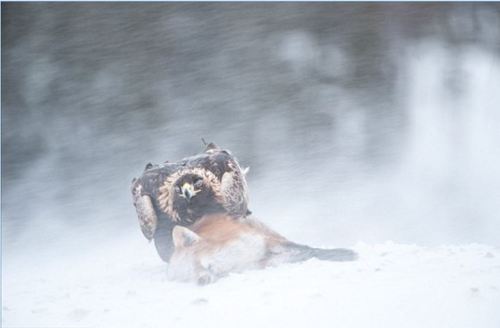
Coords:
pixel 298 253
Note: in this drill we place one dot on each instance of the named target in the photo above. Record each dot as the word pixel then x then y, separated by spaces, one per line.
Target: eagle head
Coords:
pixel 189 185
pixel 194 196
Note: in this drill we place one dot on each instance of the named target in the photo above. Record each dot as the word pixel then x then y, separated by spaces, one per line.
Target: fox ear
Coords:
pixel 183 237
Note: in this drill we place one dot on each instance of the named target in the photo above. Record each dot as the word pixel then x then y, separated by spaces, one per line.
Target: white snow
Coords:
pixel 123 283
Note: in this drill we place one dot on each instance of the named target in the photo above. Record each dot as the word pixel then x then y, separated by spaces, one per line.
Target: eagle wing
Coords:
pixel 146 213
pixel 144 195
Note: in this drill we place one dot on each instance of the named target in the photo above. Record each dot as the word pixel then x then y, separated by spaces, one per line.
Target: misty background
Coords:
pixel 359 121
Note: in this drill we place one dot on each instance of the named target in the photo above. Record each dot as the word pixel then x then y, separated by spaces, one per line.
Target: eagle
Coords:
pixel 180 193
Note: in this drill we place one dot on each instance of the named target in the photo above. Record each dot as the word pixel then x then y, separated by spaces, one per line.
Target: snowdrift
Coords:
pixel 124 284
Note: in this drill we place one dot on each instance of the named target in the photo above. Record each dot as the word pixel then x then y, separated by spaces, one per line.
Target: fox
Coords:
pixel 219 244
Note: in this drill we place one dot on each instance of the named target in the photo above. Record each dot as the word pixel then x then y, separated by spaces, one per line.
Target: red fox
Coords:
pixel 218 244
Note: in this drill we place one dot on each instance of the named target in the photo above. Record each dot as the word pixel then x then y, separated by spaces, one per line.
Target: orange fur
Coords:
pixel 219 229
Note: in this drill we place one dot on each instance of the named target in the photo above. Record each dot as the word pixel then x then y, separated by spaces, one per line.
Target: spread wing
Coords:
pixel 152 192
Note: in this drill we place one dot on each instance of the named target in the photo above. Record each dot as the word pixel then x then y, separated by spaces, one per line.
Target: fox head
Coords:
pixel 183 265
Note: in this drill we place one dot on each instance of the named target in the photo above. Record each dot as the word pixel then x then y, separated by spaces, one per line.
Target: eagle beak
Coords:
pixel 188 191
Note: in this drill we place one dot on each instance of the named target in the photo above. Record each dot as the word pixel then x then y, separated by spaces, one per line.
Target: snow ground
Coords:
pixel 123 284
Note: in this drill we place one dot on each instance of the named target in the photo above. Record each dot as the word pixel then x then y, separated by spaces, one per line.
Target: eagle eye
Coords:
pixel 178 189
pixel 198 183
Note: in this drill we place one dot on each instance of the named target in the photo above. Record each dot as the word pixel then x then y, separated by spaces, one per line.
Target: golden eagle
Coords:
pixel 180 193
